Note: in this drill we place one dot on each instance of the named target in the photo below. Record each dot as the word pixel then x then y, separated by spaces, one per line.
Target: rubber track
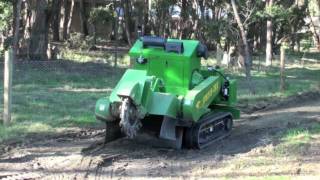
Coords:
pixel 211 118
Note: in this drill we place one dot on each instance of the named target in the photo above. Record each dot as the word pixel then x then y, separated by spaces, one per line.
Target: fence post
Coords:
pixel 7 87
pixel 282 67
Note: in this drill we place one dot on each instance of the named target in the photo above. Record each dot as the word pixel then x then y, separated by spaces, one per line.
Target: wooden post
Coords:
pixel 259 66
pixel 282 66
pixel 116 44
pixel 7 87
pixel 116 34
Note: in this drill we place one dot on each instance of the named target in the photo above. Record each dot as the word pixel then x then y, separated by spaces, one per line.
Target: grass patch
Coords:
pixel 20 130
pixel 56 96
pixel 296 141
pixel 123 59
pixel 299 78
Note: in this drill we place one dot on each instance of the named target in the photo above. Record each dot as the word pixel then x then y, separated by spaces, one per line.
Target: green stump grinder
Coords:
pixel 167 88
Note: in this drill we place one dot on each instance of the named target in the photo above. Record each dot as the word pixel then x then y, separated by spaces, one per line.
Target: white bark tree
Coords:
pixel 244 46
pixel 269 37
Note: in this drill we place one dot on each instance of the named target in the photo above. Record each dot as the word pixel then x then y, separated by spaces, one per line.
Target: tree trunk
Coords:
pixel 116 27
pixel 70 16
pixel 1 40
pixel 282 67
pixel 242 55
pixel 262 35
pixel 39 33
pixel 7 87
pixel 55 19
pixel 315 33
pixel 26 29
pixel 247 61
pixel 269 38
pixel 83 19
pixel 162 22
pixel 66 17
pixel 201 21
pixel 127 20
pixel 298 43
pixel 93 25
pixel 16 26
pixel 145 18
pixel 182 23
pixel 293 36
pixel 202 8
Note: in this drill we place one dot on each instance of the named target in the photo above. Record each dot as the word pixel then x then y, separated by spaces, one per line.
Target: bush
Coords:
pixel 78 41
pixel 102 15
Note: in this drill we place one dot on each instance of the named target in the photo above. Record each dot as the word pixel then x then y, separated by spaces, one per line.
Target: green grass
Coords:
pixel 49 97
pixel 296 141
pixel 299 78
pixel 45 99
pixel 105 57
pixel 267 84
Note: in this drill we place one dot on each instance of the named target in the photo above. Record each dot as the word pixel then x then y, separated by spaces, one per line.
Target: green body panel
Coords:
pixel 163 104
pixel 198 99
pixel 224 108
pixel 131 84
pixel 174 69
pixel 170 84
pixel 102 109
pixel 141 89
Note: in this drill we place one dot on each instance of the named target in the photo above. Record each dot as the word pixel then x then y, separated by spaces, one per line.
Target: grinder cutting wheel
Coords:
pixel 130 122
pixel 192 105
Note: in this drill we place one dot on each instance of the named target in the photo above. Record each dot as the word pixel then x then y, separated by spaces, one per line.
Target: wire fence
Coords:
pixel 61 93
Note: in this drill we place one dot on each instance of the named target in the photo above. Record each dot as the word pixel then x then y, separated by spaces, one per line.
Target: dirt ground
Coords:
pixel 247 152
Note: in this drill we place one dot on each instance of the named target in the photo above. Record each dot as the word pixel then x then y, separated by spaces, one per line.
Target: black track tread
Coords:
pixel 192 133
